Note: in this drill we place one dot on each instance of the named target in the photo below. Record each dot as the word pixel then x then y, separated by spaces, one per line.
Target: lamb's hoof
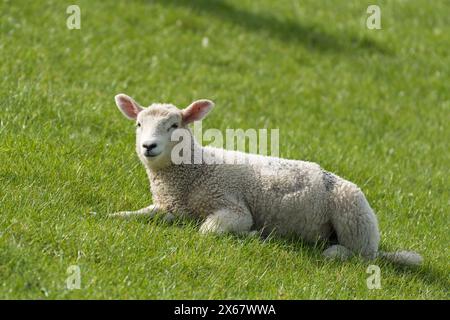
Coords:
pixel 337 252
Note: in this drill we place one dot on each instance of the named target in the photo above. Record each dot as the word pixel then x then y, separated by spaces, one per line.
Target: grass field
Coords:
pixel 370 105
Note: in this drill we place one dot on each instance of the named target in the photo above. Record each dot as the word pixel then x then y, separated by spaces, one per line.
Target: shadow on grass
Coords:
pixel 425 273
pixel 313 252
pixel 311 36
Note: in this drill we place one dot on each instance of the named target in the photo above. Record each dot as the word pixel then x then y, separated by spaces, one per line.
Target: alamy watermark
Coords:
pixel 74 19
pixel 374 280
pixel 251 140
pixel 374 20
pixel 73 280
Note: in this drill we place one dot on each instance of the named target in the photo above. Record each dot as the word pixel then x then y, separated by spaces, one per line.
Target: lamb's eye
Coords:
pixel 138 124
pixel 174 126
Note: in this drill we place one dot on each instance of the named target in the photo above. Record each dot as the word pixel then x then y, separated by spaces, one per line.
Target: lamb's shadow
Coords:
pixel 311 36
pixel 426 273
pixel 313 252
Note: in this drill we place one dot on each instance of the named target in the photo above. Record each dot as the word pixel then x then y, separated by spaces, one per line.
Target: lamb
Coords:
pixel 268 194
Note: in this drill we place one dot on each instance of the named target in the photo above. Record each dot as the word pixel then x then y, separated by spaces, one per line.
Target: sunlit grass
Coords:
pixel 369 105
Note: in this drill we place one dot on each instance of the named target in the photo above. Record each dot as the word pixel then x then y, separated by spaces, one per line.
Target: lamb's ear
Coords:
pixel 128 106
pixel 197 110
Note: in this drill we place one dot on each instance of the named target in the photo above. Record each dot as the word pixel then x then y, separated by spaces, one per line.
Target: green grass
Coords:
pixel 370 105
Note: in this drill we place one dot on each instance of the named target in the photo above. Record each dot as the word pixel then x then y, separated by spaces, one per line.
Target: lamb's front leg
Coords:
pixel 234 220
pixel 149 212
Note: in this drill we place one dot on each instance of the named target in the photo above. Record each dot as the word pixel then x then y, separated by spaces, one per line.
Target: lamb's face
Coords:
pixel 154 128
pixel 155 125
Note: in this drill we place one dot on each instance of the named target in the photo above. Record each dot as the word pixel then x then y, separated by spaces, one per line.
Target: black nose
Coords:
pixel 149 146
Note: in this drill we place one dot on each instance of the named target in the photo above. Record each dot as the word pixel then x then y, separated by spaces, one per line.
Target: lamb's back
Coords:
pixel 286 196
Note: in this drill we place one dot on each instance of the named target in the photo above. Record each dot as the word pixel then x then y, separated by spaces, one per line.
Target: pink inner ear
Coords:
pixel 197 111
pixel 128 106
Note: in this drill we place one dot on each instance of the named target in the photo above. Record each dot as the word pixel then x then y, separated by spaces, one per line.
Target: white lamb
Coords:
pixel 268 194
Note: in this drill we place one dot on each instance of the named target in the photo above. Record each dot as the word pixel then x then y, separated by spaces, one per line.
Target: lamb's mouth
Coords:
pixel 150 154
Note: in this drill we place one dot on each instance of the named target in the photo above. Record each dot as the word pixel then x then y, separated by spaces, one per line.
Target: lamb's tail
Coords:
pixel 408 258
